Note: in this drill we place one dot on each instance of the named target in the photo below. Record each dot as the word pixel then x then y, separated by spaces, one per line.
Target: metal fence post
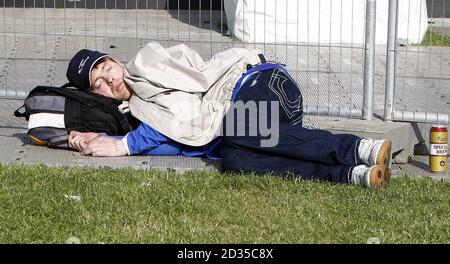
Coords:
pixel 369 59
pixel 391 60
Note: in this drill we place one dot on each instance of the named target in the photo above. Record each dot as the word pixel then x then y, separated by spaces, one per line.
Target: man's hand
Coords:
pixel 79 140
pixel 105 147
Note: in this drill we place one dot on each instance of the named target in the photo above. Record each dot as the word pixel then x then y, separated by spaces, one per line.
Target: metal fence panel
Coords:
pixel 37 41
pixel 422 73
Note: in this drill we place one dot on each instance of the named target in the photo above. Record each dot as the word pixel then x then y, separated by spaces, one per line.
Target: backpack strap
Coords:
pixel 59 142
pixel 113 110
pixel 262 58
pixel 17 113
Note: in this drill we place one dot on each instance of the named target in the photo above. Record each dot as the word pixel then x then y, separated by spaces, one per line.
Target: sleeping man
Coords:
pixel 221 108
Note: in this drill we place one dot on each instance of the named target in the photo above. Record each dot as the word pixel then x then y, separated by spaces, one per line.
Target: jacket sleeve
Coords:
pixel 143 140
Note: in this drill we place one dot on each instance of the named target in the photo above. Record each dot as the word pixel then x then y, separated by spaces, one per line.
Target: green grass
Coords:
pixel 435 39
pixel 128 206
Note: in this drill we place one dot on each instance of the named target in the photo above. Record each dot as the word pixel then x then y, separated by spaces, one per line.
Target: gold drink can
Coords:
pixel 438 149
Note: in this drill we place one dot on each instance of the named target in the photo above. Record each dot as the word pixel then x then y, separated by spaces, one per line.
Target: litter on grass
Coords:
pixel 73 198
pixel 373 240
pixel 73 240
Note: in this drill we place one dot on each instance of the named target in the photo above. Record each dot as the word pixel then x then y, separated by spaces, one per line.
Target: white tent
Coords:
pixel 320 21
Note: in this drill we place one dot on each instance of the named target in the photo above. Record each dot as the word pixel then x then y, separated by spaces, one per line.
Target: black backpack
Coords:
pixel 52 112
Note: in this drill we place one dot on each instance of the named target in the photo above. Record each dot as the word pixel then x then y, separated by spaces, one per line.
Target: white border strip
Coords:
pixel 46 120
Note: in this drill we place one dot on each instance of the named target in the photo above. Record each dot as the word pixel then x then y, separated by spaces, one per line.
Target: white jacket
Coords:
pixel 182 96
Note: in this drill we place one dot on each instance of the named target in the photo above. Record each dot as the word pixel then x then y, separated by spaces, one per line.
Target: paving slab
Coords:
pixel 404 135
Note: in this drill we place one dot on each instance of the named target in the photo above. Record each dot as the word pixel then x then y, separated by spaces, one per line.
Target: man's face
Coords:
pixel 107 79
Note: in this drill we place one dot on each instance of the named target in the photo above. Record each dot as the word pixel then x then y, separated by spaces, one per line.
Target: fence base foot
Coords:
pixel 403 156
pixel 404 135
